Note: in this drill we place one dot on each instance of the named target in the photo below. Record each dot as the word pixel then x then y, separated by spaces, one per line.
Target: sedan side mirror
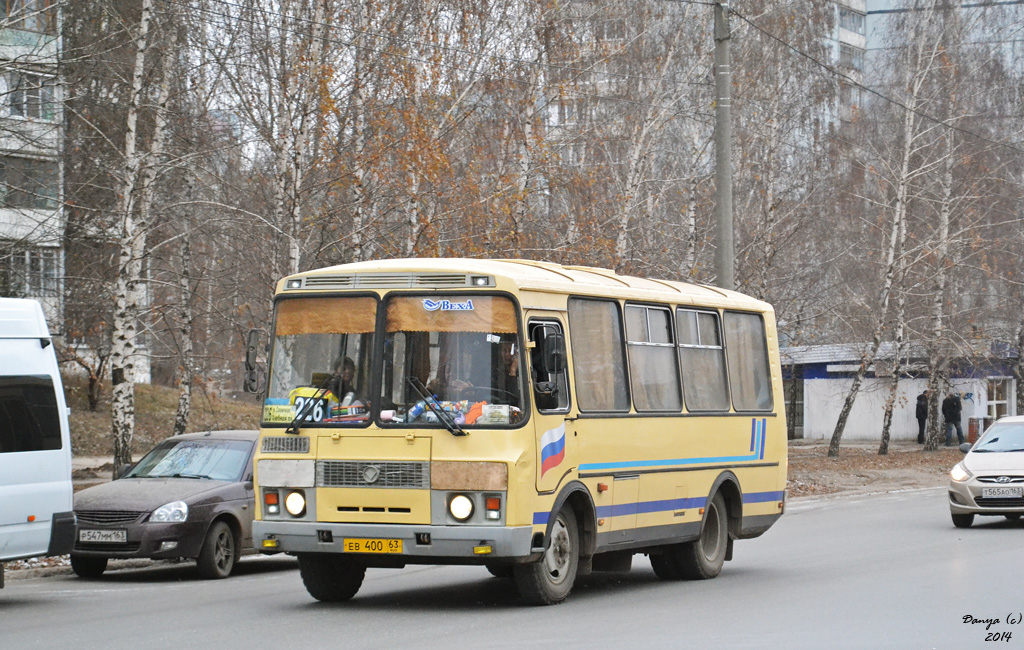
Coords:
pixel 965 447
pixel 122 470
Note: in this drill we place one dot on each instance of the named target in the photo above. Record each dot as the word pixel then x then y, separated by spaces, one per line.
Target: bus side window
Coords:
pixel 547 366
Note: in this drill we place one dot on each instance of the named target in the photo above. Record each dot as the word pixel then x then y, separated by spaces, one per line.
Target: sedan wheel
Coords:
pixel 88 567
pixel 217 559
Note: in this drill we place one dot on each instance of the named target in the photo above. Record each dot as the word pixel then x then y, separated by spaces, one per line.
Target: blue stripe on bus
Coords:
pixel 663 505
pixel 757 435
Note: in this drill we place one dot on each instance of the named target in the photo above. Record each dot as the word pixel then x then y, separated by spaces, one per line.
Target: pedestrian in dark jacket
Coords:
pixel 951 411
pixel 922 415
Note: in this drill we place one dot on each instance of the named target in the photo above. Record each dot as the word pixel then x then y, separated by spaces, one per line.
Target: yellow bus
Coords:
pixel 544 421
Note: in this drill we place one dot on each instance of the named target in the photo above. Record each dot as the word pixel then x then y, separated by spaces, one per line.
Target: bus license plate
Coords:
pixel 103 536
pixel 1008 492
pixel 353 545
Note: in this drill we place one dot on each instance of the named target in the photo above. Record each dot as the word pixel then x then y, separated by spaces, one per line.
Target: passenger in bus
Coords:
pixel 505 378
pixel 344 371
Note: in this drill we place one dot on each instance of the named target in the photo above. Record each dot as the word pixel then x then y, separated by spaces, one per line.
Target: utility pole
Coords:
pixel 725 252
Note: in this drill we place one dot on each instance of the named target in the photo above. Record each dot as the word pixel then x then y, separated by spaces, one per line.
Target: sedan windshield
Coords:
pixel 452 361
pixel 221 460
pixel 1002 437
pixel 321 361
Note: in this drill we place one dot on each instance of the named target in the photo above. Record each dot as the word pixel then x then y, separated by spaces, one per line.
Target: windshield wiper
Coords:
pixel 293 428
pixel 444 417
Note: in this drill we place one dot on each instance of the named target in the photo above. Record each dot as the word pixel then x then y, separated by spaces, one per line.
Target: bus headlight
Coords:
pixel 461 507
pixel 295 503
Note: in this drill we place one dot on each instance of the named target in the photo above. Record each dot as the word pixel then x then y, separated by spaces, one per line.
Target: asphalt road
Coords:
pixel 883 571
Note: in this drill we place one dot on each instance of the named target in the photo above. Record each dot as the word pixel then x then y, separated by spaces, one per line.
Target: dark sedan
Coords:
pixel 190 497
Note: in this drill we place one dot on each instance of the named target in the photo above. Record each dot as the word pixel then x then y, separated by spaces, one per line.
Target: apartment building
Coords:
pixel 31 213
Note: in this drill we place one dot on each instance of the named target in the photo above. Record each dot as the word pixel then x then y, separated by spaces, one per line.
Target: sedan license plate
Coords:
pixel 103 536
pixel 354 545
pixel 1009 492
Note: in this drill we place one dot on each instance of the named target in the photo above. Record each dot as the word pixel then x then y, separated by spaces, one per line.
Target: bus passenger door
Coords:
pixel 549 386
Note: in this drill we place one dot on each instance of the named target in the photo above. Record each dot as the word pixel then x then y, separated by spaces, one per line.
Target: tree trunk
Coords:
pixel 129 273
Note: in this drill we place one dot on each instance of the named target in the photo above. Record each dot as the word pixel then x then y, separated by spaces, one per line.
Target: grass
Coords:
pixel 155 407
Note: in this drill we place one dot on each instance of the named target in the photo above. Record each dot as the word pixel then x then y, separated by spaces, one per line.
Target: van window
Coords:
pixel 28 414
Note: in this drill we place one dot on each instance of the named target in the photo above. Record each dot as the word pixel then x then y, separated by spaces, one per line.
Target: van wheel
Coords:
pixel 88 567
pixel 217 559
pixel 549 581
pixel 330 578
pixel 962 521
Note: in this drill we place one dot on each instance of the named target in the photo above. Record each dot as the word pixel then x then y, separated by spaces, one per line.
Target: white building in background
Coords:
pixel 850 55
pixel 31 213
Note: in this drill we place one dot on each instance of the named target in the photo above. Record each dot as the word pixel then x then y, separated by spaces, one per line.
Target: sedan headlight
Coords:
pixel 175 511
pixel 959 473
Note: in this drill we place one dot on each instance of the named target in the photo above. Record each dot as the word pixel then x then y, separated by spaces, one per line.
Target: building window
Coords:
pixel 851 20
pixel 27 183
pixel 31 15
pixel 611 30
pixel 31 95
pixel 998 397
pixel 851 57
pixel 30 273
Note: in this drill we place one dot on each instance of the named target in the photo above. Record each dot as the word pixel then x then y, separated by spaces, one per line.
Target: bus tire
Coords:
pixel 665 566
pixel 330 578
pixel 703 558
pixel 549 581
pixel 88 567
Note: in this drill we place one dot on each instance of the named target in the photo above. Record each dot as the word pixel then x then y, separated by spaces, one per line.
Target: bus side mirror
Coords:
pixel 553 355
pixel 251 382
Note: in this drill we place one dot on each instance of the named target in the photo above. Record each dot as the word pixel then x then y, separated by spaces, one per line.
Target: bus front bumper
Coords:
pixel 437 543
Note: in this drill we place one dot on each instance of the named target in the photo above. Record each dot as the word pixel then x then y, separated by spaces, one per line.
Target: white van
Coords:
pixel 36 516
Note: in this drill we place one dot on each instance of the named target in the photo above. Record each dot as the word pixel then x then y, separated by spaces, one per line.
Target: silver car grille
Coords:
pixel 108 517
pixel 1001 480
pixel 285 445
pixel 378 474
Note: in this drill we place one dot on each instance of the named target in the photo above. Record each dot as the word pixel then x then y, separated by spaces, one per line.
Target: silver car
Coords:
pixel 990 478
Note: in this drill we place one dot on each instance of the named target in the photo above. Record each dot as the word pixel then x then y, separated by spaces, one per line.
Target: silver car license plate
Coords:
pixel 1008 492
pixel 103 536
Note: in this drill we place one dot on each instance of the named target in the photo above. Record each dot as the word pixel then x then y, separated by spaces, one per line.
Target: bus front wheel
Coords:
pixel 330 578
pixel 549 581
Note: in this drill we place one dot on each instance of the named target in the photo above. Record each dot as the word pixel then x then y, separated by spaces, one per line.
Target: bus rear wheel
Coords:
pixel 702 558
pixel 330 578
pixel 549 581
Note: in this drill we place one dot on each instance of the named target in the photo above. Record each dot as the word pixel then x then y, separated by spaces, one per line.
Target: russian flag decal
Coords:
pixel 552 448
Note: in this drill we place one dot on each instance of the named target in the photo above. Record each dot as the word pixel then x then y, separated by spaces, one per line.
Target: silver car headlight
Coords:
pixel 175 512
pixel 959 473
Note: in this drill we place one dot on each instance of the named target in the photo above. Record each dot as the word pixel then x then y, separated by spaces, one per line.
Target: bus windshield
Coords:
pixel 320 368
pixel 461 352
